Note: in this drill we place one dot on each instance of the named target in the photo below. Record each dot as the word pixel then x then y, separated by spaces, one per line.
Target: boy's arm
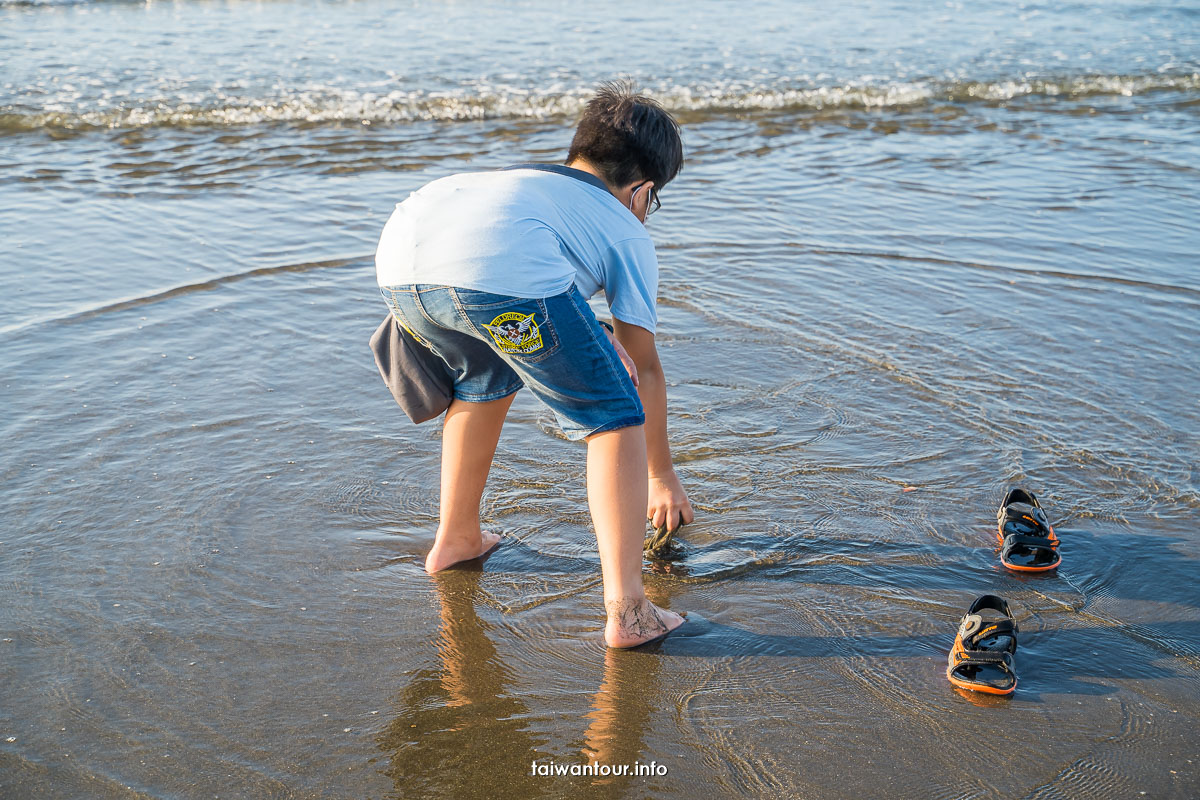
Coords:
pixel 668 503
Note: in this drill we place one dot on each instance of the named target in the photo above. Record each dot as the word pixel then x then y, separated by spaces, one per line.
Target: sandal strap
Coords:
pixel 1000 627
pixel 1024 515
pixel 974 628
pixel 1022 510
pixel 1023 540
pixel 984 657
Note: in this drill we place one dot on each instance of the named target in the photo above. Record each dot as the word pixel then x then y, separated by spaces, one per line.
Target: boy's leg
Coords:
pixel 469 437
pixel 616 478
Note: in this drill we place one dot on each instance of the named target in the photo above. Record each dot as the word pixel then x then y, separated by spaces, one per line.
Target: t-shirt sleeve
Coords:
pixel 631 282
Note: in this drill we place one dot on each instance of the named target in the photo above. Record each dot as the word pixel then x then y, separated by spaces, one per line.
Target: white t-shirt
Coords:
pixel 528 231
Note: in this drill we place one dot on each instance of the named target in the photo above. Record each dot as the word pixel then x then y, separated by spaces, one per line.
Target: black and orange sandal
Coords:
pixel 982 657
pixel 1027 540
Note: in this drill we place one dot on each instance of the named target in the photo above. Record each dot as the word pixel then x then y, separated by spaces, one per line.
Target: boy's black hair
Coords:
pixel 628 137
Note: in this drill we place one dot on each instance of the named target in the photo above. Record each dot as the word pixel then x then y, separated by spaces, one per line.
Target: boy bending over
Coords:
pixel 492 271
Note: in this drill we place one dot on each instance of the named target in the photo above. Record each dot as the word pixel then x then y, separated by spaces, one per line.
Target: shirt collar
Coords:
pixel 562 169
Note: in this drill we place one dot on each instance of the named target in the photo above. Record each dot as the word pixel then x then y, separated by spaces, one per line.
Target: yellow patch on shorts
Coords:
pixel 516 333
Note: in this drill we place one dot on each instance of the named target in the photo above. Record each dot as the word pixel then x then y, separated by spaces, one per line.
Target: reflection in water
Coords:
pixel 614 733
pixel 621 712
pixel 461 732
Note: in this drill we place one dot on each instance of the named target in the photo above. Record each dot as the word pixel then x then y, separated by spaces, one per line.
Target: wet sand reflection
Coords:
pixel 461 731
pixel 621 711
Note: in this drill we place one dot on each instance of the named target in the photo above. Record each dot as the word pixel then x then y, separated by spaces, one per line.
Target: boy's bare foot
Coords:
pixel 632 622
pixel 448 553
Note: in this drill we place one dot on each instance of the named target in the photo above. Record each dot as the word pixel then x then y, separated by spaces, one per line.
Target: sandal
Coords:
pixel 982 657
pixel 1028 543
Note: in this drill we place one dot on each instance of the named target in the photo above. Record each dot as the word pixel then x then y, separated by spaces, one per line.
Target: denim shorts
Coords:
pixel 495 344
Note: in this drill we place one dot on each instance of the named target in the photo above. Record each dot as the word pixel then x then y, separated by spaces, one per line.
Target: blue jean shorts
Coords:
pixel 495 344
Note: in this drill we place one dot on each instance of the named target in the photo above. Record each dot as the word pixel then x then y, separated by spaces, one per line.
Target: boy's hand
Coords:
pixel 667 503
pixel 630 367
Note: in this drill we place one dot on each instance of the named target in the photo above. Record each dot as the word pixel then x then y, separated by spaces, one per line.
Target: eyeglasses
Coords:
pixel 652 205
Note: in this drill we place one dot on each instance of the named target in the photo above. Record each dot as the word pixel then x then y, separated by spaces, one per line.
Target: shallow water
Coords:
pixel 917 256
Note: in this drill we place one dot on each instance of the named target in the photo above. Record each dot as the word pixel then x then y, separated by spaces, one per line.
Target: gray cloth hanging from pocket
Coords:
pixel 419 380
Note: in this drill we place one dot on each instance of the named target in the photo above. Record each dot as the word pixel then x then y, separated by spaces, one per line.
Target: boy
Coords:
pixel 492 271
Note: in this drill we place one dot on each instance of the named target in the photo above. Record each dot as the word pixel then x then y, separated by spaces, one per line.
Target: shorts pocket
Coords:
pixel 516 326
pixel 392 298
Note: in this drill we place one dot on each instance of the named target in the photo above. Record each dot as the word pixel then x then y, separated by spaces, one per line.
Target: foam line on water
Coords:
pixel 176 291
pixel 319 104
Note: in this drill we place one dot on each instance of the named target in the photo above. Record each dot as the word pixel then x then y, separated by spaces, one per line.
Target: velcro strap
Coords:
pixel 1019 510
pixel 1023 514
pixel 1016 539
pixel 1023 525
pixel 1003 627
pixel 985 657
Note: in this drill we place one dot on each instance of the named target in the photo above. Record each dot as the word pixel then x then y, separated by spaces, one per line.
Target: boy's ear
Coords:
pixel 640 202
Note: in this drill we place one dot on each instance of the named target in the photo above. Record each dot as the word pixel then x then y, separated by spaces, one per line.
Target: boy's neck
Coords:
pixel 583 165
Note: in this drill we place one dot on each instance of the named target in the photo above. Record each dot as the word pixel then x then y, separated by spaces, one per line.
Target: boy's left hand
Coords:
pixel 630 367
pixel 667 503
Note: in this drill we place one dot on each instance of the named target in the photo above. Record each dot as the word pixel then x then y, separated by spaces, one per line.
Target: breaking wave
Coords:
pixel 326 105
